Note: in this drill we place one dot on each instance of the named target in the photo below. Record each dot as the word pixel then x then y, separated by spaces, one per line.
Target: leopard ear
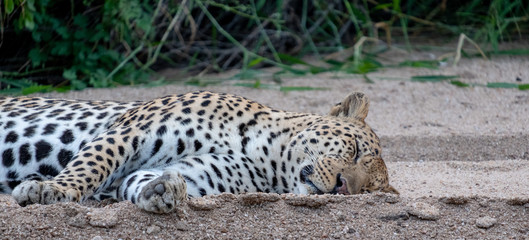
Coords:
pixel 356 105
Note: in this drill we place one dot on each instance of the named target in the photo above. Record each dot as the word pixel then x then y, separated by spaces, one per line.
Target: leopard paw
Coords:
pixel 163 194
pixel 31 192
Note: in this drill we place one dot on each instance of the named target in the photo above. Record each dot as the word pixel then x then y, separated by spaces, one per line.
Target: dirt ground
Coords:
pixel 459 157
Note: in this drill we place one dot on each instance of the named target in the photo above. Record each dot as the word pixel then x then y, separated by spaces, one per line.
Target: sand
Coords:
pixel 459 157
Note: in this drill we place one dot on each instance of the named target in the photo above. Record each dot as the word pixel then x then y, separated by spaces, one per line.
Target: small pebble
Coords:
pixel 485 222
pixel 180 226
pixel 392 199
pixel 103 217
pixel 78 220
pixel 348 229
pixel 424 211
pixel 202 204
pixel 153 229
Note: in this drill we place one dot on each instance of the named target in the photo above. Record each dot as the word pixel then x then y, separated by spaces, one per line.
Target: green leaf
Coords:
pixel 81 35
pixel 334 62
pixel 37 57
pixel 61 48
pixel 255 62
pixel 77 84
pixel 9 6
pixel 64 31
pixel 459 83
pixel 432 78
pixel 316 70
pixel 31 5
pixel 144 23
pixel 420 64
pixel 502 85
pixel 359 14
pixel 70 74
pixel 20 23
pixel 193 82
pixel 37 36
pixel 291 59
pixel 383 6
pixel 28 20
pixel 257 84
pixel 523 86
pixel 260 4
pixel 364 66
pixel 80 20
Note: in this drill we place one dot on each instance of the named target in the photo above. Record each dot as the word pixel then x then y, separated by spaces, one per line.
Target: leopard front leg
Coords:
pixel 159 191
pixel 84 173
pixel 46 192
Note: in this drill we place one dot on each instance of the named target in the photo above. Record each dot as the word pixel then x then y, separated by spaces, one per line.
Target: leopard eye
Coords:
pixel 305 171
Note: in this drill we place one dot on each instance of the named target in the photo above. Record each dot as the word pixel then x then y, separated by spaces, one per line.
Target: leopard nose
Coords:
pixel 339 182
pixel 341 185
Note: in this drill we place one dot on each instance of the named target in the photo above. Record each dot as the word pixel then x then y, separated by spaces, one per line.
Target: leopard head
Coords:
pixel 340 153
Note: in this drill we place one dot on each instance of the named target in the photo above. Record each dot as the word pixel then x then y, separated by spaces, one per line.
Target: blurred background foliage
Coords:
pixel 62 45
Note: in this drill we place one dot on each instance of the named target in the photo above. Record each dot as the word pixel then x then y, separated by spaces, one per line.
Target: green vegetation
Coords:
pixel 58 45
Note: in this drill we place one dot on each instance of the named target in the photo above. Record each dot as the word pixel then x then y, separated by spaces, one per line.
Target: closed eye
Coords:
pixel 306 171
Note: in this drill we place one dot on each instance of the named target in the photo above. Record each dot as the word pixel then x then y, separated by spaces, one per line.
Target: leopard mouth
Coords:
pixel 341 186
pixel 313 187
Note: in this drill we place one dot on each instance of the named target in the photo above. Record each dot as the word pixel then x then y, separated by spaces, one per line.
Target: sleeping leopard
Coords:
pixel 158 153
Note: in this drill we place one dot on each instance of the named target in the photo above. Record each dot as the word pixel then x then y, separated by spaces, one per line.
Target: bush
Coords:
pixel 59 45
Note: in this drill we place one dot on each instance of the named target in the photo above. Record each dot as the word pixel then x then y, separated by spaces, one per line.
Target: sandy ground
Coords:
pixel 459 157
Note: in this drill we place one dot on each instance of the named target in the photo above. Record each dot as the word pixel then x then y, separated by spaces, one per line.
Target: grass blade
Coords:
pixel 292 60
pixel 420 64
pixel 502 85
pixel 523 87
pixel 432 78
pixel 459 83
pixel 255 62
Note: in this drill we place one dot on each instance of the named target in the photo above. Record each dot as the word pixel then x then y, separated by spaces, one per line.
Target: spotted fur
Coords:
pixel 158 153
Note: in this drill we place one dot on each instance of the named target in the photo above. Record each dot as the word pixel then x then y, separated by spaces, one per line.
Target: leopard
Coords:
pixel 158 154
